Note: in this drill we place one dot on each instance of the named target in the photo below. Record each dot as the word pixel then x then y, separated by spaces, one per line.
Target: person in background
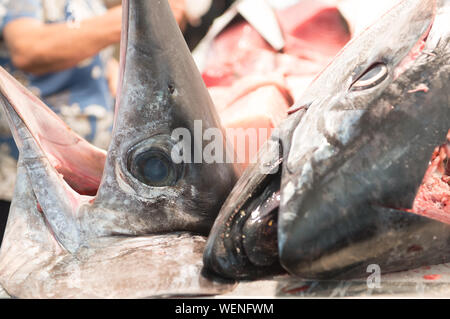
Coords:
pixel 199 16
pixel 61 51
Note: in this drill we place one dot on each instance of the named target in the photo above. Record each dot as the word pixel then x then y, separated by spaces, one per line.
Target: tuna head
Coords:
pixel 354 153
pixel 84 223
pixel 359 155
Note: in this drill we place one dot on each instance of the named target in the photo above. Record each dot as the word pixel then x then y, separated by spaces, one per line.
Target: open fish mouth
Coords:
pixel 432 197
pixel 352 165
pixel 243 241
pixel 127 222
pixel 248 236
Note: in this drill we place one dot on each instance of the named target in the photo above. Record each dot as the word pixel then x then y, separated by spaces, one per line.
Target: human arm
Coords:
pixel 41 48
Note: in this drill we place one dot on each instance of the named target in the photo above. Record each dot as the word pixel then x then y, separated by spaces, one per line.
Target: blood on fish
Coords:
pixel 433 198
pixel 414 248
pixel 432 277
pixel 294 291
pixel 420 88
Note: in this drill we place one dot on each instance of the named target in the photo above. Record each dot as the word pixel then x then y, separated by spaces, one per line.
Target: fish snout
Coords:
pixel 244 246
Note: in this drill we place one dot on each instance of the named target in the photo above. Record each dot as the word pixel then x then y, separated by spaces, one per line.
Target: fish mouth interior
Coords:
pixel 79 162
pixel 432 199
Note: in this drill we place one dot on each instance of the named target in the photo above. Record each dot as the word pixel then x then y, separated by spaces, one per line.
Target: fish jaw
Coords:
pixel 51 160
pixel 243 241
pixel 64 168
pixel 226 250
pixel 348 205
pixel 78 161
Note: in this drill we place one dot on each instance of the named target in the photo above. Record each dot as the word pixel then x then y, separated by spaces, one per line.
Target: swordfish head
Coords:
pixel 355 151
pixel 127 223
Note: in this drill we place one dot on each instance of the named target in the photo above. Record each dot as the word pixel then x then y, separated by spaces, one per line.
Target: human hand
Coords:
pixel 179 11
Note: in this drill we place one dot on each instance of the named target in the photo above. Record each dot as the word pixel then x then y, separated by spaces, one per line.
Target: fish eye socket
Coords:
pixel 152 165
pixel 373 76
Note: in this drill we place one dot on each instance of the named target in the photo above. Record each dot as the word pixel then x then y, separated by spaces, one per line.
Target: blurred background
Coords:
pixel 198 15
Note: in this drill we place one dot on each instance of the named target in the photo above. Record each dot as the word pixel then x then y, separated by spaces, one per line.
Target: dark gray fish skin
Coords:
pixel 344 199
pixel 241 244
pixel 354 160
pixel 226 250
pixel 162 90
pixel 139 236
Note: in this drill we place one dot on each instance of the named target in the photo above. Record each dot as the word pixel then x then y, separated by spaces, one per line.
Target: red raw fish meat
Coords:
pixel 252 85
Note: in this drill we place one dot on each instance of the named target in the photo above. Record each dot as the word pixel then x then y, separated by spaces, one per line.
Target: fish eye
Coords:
pixel 151 164
pixel 373 76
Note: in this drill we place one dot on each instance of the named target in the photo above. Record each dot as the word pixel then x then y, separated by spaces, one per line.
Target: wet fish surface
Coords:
pixel 350 160
pixel 131 222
